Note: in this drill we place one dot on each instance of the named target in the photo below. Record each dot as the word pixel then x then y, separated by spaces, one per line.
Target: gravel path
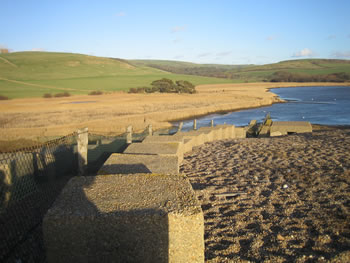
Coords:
pixel 282 199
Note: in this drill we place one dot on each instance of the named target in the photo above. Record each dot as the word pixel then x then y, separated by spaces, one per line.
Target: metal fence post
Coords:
pixel 129 134
pixel 83 140
pixel 194 124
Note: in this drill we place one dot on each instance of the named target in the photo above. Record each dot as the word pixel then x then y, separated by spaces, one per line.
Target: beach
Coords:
pixel 281 199
pixel 110 114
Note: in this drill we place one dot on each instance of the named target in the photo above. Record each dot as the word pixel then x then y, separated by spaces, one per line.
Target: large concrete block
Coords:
pixel 196 138
pixel 125 218
pixel 159 148
pixel 140 163
pixel 228 131
pixel 163 138
pixel 286 127
pixel 240 132
pixel 217 132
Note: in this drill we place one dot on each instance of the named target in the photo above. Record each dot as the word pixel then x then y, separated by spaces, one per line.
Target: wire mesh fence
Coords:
pixel 30 180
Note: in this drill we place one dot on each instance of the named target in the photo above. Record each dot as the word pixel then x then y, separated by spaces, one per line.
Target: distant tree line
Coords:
pixel 197 71
pixel 236 73
pixel 165 85
pixel 284 76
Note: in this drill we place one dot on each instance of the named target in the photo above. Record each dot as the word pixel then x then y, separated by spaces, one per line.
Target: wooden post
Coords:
pixel 83 140
pixel 212 123
pixel 180 126
pixel 194 124
pixel 150 131
pixel 129 134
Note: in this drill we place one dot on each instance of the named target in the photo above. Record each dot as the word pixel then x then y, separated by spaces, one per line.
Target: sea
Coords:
pixel 329 105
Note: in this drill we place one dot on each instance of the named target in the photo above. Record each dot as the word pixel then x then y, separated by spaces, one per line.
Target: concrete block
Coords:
pixel 276 133
pixel 217 132
pixel 240 132
pixel 188 145
pixel 158 148
pixel 265 130
pixel 187 142
pixel 286 127
pixel 140 163
pixel 228 131
pixel 163 138
pixel 197 137
pixel 125 218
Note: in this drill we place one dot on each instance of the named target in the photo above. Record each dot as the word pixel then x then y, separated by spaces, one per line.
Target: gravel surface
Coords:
pixel 282 199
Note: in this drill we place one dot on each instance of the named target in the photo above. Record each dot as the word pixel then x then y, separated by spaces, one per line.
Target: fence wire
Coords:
pixel 30 180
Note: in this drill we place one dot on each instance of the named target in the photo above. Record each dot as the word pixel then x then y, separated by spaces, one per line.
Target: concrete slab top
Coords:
pixel 154 148
pixel 94 196
pixel 163 138
pixel 189 133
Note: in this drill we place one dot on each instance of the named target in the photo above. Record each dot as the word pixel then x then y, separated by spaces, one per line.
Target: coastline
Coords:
pixel 110 113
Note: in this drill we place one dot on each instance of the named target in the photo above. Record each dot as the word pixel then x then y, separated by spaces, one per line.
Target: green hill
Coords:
pixel 32 74
pixel 180 67
pixel 252 73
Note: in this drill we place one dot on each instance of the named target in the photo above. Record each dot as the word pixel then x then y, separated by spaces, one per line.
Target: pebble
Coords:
pixel 285 186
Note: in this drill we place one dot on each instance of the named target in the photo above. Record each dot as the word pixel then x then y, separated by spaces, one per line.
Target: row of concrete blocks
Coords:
pixel 139 209
pixel 164 154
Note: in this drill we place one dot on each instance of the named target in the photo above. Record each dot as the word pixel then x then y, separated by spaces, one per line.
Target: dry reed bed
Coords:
pixel 111 113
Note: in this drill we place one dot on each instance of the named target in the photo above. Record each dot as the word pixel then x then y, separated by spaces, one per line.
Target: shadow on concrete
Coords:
pixel 78 228
pixel 125 169
pixel 100 152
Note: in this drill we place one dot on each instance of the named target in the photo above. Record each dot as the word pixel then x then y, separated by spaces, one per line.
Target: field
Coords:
pixel 32 74
pixel 37 118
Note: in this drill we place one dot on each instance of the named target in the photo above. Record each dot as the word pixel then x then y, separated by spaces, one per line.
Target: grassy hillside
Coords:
pixel 32 74
pixel 304 66
pixel 252 73
pixel 180 67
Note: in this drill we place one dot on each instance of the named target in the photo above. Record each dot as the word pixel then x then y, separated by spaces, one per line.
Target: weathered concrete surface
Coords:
pixel 240 132
pixel 217 132
pixel 163 138
pixel 158 148
pixel 82 142
pixel 285 127
pixel 228 131
pixel 197 137
pixel 125 218
pixel 140 163
pixel 265 130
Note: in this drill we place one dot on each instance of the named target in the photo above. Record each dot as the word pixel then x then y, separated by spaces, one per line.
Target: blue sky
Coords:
pixel 207 31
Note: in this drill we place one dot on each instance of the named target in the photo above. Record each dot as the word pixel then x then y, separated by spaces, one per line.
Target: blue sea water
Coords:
pixel 318 105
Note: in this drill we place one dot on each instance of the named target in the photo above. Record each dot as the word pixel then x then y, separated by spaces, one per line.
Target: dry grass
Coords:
pixel 111 113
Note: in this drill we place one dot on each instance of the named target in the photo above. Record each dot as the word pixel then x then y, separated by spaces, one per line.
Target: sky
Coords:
pixel 200 31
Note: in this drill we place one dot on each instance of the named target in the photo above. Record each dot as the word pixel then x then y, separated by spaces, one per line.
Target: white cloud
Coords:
pixel 120 14
pixel 306 52
pixel 330 37
pixel 339 54
pixel 204 54
pixel 223 54
pixel 178 29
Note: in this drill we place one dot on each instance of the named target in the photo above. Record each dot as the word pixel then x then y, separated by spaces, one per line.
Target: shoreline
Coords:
pixel 110 113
